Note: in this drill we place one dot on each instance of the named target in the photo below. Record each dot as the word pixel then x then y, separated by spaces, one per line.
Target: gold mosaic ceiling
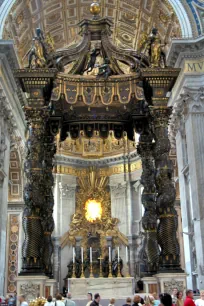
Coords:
pixel 60 17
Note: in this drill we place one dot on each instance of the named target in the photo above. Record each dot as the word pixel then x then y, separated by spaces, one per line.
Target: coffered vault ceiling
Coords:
pixel 60 17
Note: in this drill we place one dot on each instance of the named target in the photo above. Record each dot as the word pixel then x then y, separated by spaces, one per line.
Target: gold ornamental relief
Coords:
pixel 93 212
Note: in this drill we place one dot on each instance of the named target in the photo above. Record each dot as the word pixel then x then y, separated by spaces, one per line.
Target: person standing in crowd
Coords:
pixel 22 300
pixel 180 300
pixel 136 301
pixel 58 301
pixel 156 299
pixel 11 301
pixel 49 301
pixel 90 298
pixel 200 302
pixel 112 302
pixel 174 295
pixel 96 301
pixel 128 302
pixel 68 301
pixel 189 298
pixel 165 299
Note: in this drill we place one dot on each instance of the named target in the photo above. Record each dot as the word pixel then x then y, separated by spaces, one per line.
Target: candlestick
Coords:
pixel 110 275
pixel 118 254
pixel 91 254
pixel 126 254
pixel 82 255
pixel 100 273
pixel 109 254
pixel 73 255
pixel 91 270
pixel 119 274
pixel 82 270
pixel 73 271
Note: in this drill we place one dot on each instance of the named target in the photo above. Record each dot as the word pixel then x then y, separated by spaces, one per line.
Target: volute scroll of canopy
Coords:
pixel 93 187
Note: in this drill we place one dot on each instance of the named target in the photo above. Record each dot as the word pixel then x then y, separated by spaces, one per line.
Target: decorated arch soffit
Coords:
pixel 132 19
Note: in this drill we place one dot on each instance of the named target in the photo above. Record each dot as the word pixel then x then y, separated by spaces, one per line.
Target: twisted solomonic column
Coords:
pixel 167 230
pixel 149 220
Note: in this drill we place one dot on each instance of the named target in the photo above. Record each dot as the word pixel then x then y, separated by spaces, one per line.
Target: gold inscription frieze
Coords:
pixel 107 171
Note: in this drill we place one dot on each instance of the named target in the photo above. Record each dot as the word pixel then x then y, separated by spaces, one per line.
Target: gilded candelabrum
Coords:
pixel 82 270
pixel 100 273
pixel 110 275
pixel 91 270
pixel 128 268
pixel 74 271
pixel 119 273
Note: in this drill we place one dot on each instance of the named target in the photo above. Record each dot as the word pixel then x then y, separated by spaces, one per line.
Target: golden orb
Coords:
pixel 95 8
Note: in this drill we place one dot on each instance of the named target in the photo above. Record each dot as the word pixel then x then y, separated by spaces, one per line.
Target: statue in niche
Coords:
pixel 152 47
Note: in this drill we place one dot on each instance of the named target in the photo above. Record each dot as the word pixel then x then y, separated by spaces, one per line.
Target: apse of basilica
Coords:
pixel 101 146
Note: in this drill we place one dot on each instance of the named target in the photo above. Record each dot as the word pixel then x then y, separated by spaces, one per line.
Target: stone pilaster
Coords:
pixel 149 220
pixel 6 130
pixel 194 129
pixel 56 260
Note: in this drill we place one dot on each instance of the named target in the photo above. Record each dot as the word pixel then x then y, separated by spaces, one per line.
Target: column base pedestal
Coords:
pixel 150 284
pixel 168 281
pixel 33 286
pixel 165 282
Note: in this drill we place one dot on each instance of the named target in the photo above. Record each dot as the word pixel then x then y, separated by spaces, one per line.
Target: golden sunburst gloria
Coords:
pixel 93 210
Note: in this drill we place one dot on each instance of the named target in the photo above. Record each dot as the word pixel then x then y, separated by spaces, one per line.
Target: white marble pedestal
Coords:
pixel 168 281
pixel 35 286
pixel 120 287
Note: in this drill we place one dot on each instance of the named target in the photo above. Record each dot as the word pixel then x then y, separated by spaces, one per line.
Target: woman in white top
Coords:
pixel 58 301
pixel 49 301
pixel 89 297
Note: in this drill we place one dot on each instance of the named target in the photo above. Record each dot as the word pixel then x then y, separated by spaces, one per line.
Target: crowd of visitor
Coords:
pixel 175 299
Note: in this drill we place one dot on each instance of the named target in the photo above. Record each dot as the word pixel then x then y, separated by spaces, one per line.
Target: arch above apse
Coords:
pixel 178 7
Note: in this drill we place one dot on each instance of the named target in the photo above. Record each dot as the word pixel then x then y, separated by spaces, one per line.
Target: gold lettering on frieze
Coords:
pixel 102 171
pixel 194 66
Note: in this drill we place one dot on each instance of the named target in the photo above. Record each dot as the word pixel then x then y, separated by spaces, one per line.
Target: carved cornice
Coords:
pixel 104 171
pixel 184 48
pixel 15 206
pixel 80 162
